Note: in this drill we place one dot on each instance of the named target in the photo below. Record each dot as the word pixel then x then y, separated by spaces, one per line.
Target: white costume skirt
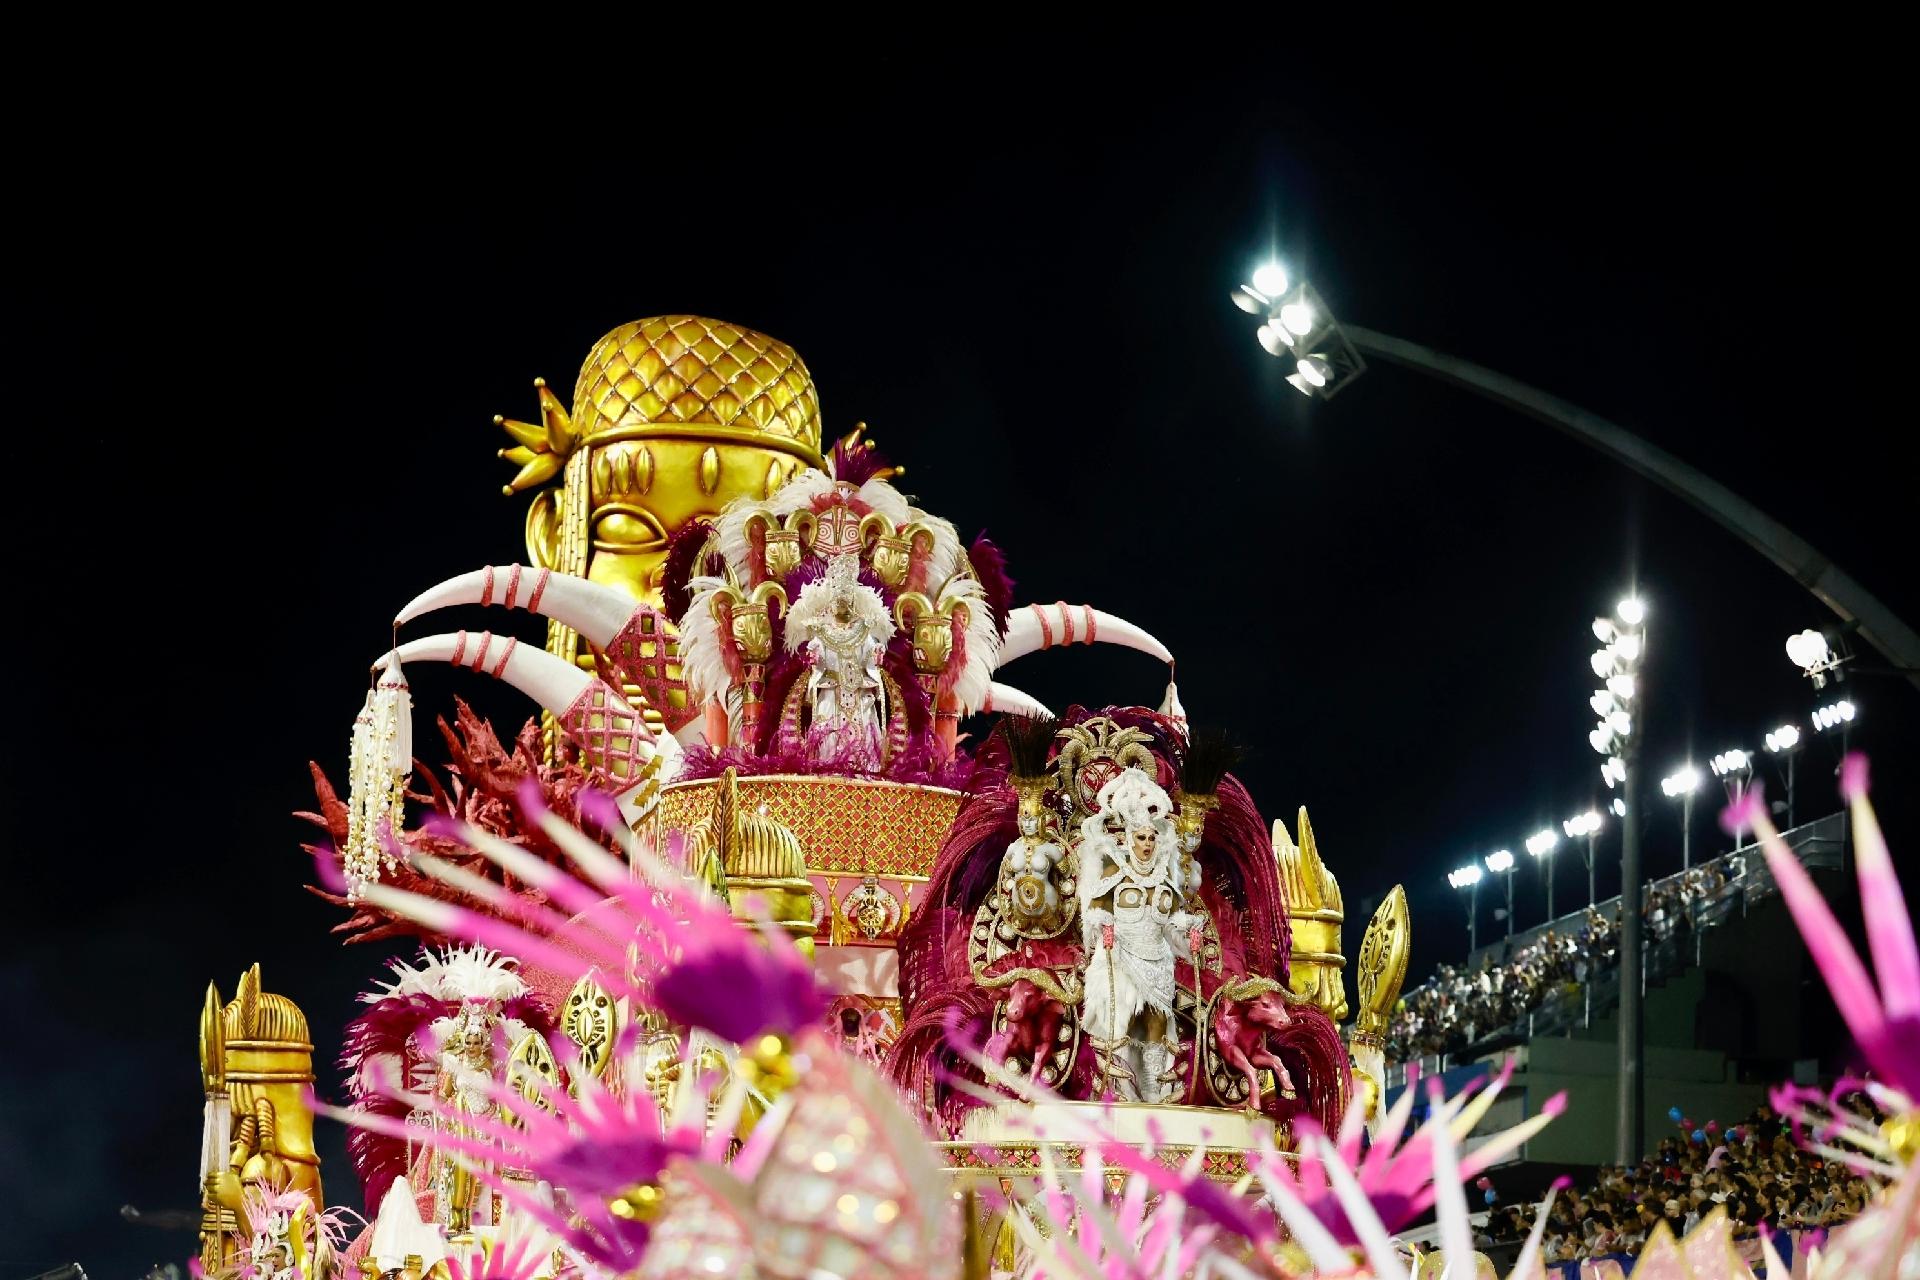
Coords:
pixel 1121 984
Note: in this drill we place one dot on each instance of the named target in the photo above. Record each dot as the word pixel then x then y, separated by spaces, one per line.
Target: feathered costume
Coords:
pixel 397 1043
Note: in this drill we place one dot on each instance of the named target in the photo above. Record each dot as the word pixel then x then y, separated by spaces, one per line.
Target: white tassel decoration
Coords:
pixel 379 763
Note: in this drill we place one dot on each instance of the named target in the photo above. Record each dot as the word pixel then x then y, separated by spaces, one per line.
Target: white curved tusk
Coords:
pixel 557 685
pixel 553 683
pixel 1042 626
pixel 1017 702
pixel 595 611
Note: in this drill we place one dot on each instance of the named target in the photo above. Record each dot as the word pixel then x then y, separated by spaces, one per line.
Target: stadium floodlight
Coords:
pixel 1728 763
pixel 1629 647
pixel 1622 686
pixel 1582 824
pixel 1541 843
pixel 1603 703
pixel 1785 738
pixel 1817 657
pixel 1298 325
pixel 1603 630
pixel 1499 860
pixel 1602 662
pixel 1621 723
pixel 1270 278
pixel 1619 807
pixel 1834 715
pixel 1683 781
pixel 1614 772
pixel 1632 611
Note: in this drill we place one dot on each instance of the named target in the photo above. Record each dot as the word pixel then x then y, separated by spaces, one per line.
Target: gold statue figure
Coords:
pixel 256 1064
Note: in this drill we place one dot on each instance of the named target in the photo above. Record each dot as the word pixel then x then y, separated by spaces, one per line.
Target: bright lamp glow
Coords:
pixel 1681 781
pixel 1541 843
pixel 1627 648
pixel 1621 686
pixel 1271 279
pixel 1250 300
pixel 1621 723
pixel 1313 370
pixel 1602 703
pixel 1601 740
pixel 1500 860
pixel 1619 807
pixel 1464 878
pixel 1602 662
pixel 1807 650
pixel 1603 630
pixel 1834 715
pixel 1632 611
pixel 1614 771
pixel 1785 738
pixel 1582 824
pixel 1729 762
pixel 1273 339
pixel 1297 317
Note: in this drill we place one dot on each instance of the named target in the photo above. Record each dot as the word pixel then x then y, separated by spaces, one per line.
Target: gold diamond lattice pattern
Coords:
pixel 687 369
pixel 848 826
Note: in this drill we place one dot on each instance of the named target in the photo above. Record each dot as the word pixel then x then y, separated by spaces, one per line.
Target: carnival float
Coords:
pixel 742 958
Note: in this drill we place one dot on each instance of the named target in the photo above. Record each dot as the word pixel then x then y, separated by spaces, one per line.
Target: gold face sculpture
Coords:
pixel 673 417
pixel 589 1019
pixel 1315 911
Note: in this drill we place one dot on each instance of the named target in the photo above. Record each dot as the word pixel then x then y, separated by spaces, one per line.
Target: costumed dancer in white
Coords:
pixel 847 627
pixel 1136 919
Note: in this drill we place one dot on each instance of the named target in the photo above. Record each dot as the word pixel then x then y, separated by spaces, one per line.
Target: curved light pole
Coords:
pixel 1330 352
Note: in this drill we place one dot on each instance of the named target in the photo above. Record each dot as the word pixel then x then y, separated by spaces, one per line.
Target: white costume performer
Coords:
pixel 1135 920
pixel 846 628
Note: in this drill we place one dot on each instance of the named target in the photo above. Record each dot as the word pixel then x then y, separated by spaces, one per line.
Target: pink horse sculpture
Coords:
pixel 1241 1028
pixel 1034 1019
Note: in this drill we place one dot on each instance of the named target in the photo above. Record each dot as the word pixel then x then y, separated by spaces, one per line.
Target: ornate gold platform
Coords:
pixel 1005 1142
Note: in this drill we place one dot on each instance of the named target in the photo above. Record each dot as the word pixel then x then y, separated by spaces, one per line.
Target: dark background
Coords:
pixel 260 322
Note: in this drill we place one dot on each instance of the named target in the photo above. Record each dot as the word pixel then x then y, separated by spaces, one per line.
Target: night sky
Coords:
pixel 254 374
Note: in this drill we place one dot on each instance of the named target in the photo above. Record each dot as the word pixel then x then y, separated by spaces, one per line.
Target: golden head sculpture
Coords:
pixel 673 417
pixel 1314 912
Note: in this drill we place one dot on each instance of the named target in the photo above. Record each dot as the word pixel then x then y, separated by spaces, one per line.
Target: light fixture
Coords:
pixel 1807 650
pixel 1833 715
pixel 1619 807
pixel 1602 703
pixel 1622 686
pixel 1465 877
pixel 1273 339
pixel 1250 300
pixel 1602 660
pixel 1632 611
pixel 1270 278
pixel 1601 740
pixel 1614 772
pixel 1582 824
pixel 1628 647
pixel 1785 738
pixel 1730 762
pixel 1683 781
pixel 1541 843
pixel 1621 723
pixel 1500 860
pixel 1603 630
pixel 1298 323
